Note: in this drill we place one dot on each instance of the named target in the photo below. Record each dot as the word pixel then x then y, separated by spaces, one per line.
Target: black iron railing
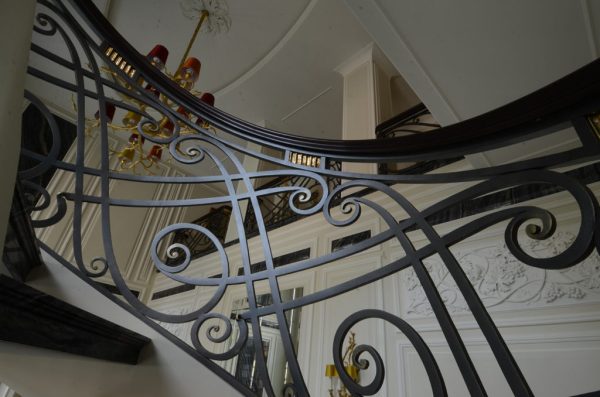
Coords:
pixel 216 220
pixel 276 209
pixel 415 120
pixel 569 102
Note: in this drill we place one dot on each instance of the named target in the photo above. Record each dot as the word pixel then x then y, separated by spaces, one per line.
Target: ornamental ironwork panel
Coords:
pixel 80 30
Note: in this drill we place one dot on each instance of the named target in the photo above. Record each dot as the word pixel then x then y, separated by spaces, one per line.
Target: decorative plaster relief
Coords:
pixel 503 282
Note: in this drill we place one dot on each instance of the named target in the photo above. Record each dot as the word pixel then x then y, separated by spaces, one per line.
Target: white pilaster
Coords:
pixel 367 98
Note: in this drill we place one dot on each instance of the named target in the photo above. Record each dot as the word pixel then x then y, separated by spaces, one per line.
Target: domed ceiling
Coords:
pixel 274 66
pixel 256 27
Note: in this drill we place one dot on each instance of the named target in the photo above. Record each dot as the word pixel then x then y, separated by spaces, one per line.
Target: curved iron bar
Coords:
pixel 568 101
pixel 217 221
pixel 433 371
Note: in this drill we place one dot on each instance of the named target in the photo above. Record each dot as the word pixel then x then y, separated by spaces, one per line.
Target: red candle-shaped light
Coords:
pixel 134 138
pixel 153 90
pixel 166 126
pixel 155 153
pixel 158 56
pixel 209 99
pixel 190 70
pixel 110 112
pixel 182 111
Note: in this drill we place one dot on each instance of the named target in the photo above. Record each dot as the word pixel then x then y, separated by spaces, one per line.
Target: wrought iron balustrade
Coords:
pixel 276 209
pixel 569 102
pixel 217 221
pixel 415 120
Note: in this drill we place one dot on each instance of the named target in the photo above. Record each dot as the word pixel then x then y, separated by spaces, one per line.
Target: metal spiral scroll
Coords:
pixel 45 163
pixel 433 371
pixel 225 335
pixel 205 149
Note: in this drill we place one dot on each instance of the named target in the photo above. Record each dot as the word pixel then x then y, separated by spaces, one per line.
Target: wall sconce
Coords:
pixel 336 387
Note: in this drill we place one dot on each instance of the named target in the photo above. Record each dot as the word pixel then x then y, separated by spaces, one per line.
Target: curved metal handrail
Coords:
pixel 574 95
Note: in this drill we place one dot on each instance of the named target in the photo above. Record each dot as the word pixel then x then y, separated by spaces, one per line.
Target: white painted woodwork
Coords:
pixel 367 99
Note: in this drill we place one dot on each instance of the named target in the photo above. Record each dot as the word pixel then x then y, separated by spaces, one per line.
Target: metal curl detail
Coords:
pixel 303 195
pixel 171 271
pixel 45 21
pixel 584 242
pixel 45 196
pixel 433 372
pixel 61 210
pixel 226 334
pixel 195 153
pixel 149 128
pixel 349 206
pixel 289 390
pixel 96 270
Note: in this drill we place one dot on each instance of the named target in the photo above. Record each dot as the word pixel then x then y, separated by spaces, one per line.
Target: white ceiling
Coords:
pixel 464 57
pixel 274 66
pixel 257 26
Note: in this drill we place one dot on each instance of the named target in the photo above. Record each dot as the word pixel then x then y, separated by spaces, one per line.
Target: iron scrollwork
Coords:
pixel 321 198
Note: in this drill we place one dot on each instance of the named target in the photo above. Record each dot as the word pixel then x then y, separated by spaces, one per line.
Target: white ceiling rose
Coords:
pixel 217 21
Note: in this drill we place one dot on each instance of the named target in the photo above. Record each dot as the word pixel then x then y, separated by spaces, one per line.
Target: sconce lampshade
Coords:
pixel 134 138
pixel 330 371
pixel 190 70
pixel 155 153
pixel 209 99
pixel 166 126
pixel 352 371
pixel 158 56
pixel 110 112
pixel 181 110
pixel 153 90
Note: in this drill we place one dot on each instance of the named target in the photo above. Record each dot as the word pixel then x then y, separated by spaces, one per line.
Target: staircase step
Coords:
pixel 34 318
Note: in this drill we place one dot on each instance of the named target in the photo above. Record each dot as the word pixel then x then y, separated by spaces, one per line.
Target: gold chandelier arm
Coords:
pixel 203 16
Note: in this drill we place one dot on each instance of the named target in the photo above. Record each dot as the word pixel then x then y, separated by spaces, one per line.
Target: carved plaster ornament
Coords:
pixel 217 19
pixel 501 280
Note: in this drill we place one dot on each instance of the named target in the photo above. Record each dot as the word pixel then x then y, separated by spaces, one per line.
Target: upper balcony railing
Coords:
pixel 571 102
pixel 415 120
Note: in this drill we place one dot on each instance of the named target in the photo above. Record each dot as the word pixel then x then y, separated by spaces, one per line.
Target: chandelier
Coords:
pixel 212 16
